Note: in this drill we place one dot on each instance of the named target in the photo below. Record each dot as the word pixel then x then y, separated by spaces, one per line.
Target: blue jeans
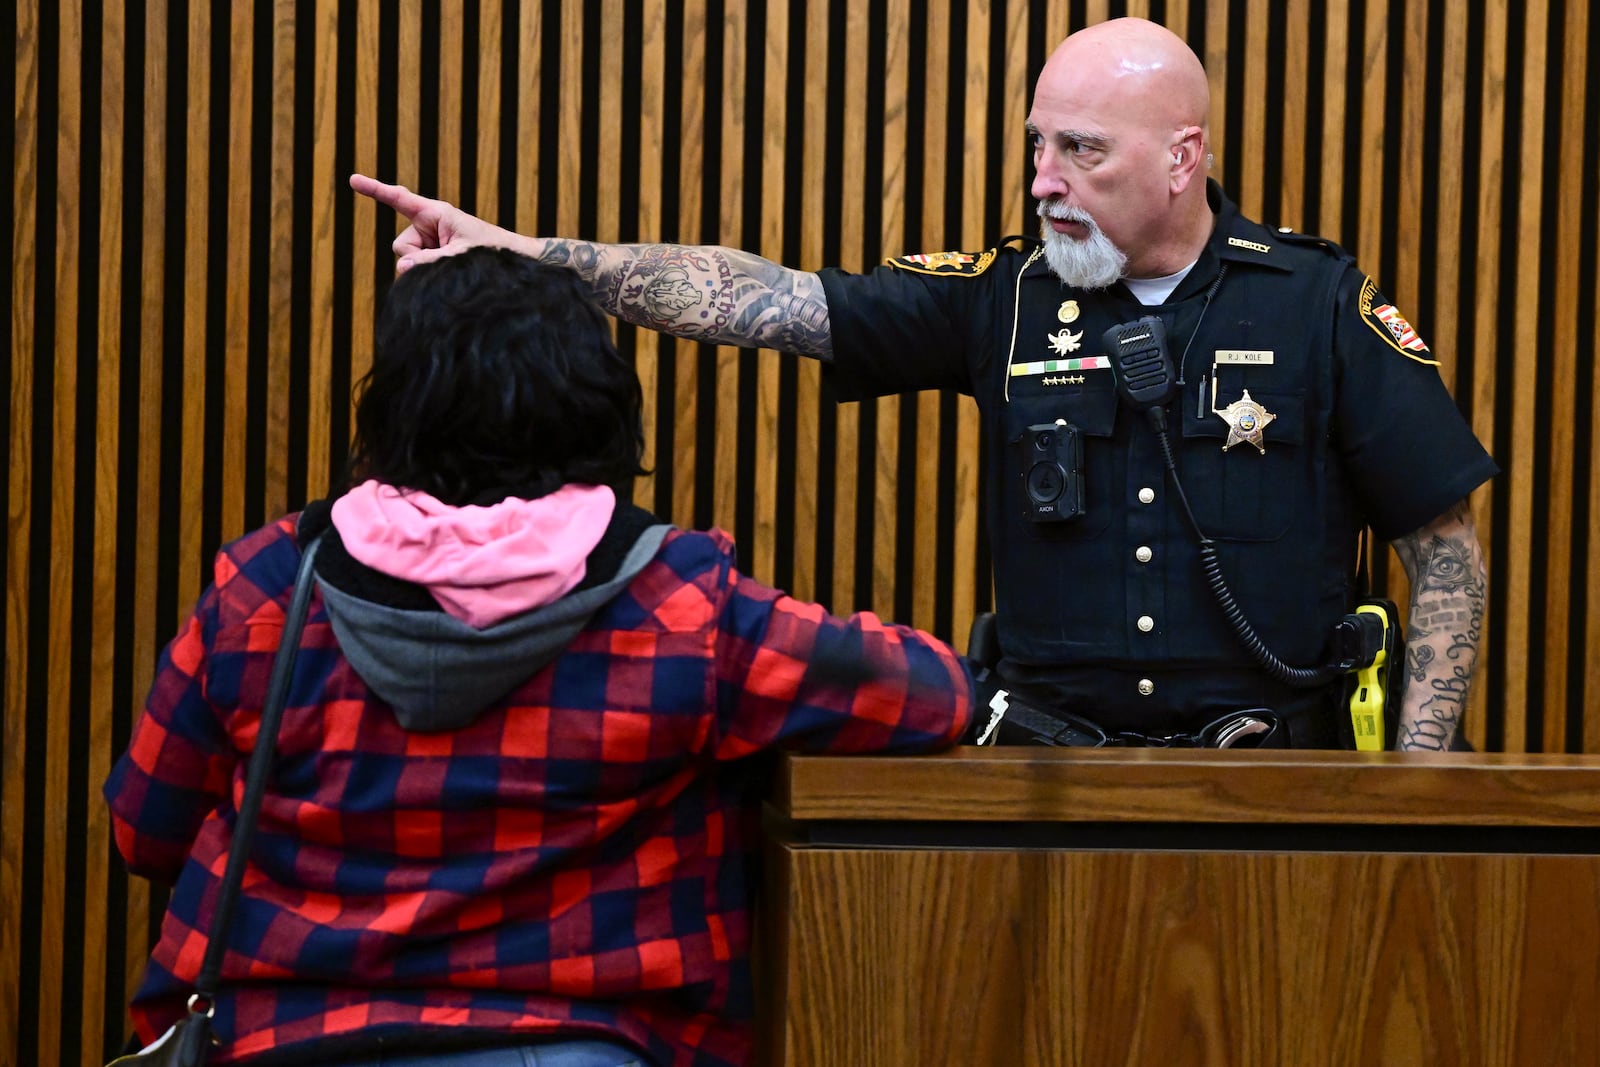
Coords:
pixel 582 1053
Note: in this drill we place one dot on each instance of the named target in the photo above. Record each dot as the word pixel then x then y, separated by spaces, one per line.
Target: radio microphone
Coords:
pixel 1141 366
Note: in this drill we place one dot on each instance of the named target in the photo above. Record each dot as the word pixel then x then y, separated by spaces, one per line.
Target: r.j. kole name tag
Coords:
pixel 1246 356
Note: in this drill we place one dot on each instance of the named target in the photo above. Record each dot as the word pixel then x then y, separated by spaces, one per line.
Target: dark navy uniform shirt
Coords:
pixel 1110 612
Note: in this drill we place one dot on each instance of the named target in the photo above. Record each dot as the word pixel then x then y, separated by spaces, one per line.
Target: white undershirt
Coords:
pixel 1151 291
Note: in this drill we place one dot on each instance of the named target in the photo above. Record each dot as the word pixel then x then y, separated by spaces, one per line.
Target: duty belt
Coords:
pixel 1015 721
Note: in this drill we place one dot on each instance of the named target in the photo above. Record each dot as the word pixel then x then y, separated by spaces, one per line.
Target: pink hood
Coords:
pixel 482 564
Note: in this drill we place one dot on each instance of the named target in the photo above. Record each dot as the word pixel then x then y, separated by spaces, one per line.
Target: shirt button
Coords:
pixel 1147 496
pixel 1143 554
pixel 1146 687
pixel 1146 623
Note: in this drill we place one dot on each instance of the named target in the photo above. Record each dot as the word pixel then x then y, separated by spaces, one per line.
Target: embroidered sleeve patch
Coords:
pixel 1387 322
pixel 966 264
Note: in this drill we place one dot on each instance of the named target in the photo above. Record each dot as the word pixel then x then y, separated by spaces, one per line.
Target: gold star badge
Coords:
pixel 1246 419
pixel 1068 312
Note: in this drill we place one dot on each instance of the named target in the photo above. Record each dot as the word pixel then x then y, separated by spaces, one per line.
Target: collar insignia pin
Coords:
pixel 1246 420
pixel 1065 341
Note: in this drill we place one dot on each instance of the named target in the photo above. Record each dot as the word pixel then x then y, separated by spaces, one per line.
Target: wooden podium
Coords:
pixel 1031 906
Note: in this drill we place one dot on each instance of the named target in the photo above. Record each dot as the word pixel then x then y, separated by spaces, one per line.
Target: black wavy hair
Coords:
pixel 494 375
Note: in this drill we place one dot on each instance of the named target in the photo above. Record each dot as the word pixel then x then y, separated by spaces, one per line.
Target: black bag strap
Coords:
pixel 255 785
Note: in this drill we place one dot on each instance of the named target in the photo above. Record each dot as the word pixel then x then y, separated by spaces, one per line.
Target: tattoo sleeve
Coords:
pixel 703 293
pixel 1449 585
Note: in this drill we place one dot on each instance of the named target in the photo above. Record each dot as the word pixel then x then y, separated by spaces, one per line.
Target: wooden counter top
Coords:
pixel 1195 785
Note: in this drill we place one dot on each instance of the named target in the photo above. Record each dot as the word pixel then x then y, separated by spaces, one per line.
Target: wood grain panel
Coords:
pixel 408 102
pixel 891 234
pixel 937 1016
pixel 1177 19
pixel 109 373
pixel 847 428
pixel 1252 140
pixel 364 266
pixel 447 98
pixel 54 968
pixel 1449 60
pixel 569 117
pixel 491 61
pixel 196 289
pixel 974 192
pixel 15 743
pixel 1526 527
pixel 608 174
pixel 728 215
pixel 237 255
pixel 141 616
pixel 1187 958
pixel 652 142
pixel 935 99
pixel 1367 227
pixel 1410 41
pixel 1335 28
pixel 324 187
pixel 773 119
pixel 1561 448
pixel 1296 157
pixel 1512 714
pixel 1214 54
pixel 530 29
pixel 1591 663
pixel 691 213
pixel 810 203
pixel 279 258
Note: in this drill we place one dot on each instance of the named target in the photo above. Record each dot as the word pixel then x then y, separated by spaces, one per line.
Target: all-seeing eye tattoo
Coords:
pixel 1448 569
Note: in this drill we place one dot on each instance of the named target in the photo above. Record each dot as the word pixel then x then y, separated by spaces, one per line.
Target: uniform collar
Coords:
pixel 1234 240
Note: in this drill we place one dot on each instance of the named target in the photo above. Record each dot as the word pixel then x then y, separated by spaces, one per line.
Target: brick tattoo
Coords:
pixel 1448 588
pixel 712 294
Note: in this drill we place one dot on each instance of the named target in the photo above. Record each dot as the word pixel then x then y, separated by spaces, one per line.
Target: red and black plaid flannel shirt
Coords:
pixel 578 860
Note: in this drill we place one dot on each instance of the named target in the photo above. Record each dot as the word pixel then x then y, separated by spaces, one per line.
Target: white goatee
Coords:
pixel 1092 263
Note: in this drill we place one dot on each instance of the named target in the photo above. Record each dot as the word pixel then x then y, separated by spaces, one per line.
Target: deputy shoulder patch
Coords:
pixel 964 264
pixel 1387 322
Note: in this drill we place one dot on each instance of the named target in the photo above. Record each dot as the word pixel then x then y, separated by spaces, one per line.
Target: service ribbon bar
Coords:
pixel 1050 366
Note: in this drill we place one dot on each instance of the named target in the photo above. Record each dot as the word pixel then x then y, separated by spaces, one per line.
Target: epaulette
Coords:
pixel 958 264
pixel 1310 240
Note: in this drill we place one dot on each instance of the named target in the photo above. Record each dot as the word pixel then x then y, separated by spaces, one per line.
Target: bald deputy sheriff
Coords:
pixel 1299 406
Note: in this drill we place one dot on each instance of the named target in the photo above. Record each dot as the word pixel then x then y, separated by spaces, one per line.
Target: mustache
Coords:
pixel 1052 209
pixel 1068 213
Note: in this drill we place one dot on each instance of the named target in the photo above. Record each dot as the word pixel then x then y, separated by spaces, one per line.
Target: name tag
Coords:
pixel 1245 356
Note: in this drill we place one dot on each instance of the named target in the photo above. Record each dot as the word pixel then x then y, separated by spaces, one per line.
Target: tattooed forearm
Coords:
pixel 1418 655
pixel 719 295
pixel 1448 588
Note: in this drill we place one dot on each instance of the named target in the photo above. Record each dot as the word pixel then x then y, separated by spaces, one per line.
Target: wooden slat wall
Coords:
pixel 192 291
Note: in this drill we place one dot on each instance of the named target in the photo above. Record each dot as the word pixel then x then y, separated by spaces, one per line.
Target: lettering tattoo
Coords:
pixel 1449 586
pixel 705 293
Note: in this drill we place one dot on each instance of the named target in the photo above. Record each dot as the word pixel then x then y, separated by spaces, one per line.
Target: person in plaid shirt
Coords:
pixel 513 809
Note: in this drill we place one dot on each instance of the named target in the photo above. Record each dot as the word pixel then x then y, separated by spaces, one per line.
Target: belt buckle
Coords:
pixel 1235 727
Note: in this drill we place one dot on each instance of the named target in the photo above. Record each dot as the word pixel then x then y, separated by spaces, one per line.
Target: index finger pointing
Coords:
pixel 398 197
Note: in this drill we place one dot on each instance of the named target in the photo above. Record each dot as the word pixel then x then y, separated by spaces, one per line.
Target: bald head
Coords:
pixel 1140 67
pixel 1119 131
